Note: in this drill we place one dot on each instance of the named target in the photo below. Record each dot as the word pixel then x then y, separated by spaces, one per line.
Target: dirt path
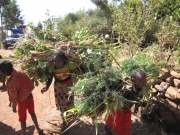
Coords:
pixel 44 107
pixel 48 116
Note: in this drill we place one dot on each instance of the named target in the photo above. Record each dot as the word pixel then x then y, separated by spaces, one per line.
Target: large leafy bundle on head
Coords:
pixel 33 56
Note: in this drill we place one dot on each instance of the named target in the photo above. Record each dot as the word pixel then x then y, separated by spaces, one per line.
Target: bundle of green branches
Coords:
pixel 34 55
pixel 99 90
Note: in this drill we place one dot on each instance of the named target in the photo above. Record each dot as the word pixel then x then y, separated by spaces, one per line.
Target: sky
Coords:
pixel 34 10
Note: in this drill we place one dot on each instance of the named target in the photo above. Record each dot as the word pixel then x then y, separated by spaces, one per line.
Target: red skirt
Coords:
pixel 120 122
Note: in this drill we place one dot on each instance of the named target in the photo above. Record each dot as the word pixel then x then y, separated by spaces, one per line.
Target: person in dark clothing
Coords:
pixel 120 121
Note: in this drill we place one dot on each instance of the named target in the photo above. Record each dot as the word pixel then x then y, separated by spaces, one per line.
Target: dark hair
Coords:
pixel 137 73
pixel 6 66
pixel 61 54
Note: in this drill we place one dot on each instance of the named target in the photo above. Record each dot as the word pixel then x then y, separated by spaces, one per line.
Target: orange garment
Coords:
pixel 19 87
pixel 120 122
pixel 23 106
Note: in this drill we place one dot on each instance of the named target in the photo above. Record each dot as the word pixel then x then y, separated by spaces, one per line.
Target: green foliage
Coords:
pixel 95 59
pixel 45 30
pixel 33 59
pixel 107 8
pixel 163 63
pixel 139 61
pixel 79 35
pixel 5 2
pixel 96 89
pixel 92 20
pixel 168 8
pixel 11 15
pixel 128 65
pixel 41 74
pixel 71 18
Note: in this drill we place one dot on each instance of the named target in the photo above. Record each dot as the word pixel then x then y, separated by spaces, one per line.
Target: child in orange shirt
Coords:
pixel 19 88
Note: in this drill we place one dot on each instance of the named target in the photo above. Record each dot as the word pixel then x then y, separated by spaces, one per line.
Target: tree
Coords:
pixel 39 25
pixel 103 5
pixel 4 2
pixel 11 16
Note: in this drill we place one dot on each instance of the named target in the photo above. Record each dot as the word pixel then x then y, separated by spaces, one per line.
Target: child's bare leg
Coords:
pixel 34 119
pixel 23 128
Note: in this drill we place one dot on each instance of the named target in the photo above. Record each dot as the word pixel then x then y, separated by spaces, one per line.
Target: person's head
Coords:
pixel 6 67
pixel 138 77
pixel 60 59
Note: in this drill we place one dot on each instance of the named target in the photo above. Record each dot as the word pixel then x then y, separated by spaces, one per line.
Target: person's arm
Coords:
pixel 75 72
pixel 48 83
pixel 125 92
pixel 13 95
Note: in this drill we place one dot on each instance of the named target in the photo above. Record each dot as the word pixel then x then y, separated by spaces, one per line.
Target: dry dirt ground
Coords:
pixel 49 118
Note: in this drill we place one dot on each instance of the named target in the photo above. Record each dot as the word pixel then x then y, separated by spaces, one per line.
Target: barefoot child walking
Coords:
pixel 19 88
pixel 61 70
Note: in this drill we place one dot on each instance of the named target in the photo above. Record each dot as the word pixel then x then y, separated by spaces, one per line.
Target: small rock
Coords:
pixel 164 85
pixel 171 93
pixel 178 96
pixel 165 70
pixel 170 80
pixel 158 88
pixel 155 81
pixel 175 74
pixel 165 73
pixel 154 91
pixel 177 83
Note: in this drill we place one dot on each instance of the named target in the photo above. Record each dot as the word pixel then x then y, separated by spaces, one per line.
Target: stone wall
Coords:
pixel 166 90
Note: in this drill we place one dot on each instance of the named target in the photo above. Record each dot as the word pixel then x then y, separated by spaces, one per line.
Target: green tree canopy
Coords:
pixel 11 16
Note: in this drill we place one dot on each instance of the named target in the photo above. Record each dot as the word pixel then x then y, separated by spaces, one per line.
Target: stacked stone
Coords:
pixel 166 90
pixel 167 85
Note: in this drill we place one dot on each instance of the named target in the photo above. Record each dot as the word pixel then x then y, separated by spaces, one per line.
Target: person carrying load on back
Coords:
pixel 120 121
pixel 60 69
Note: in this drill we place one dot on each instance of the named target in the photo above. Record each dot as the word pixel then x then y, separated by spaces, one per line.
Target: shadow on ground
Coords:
pixel 3 89
pixel 139 128
pixel 8 130
pixel 79 128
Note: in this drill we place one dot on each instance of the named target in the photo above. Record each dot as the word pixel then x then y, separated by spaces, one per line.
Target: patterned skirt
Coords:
pixel 64 98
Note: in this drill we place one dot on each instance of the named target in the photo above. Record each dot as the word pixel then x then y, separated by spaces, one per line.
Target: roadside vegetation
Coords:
pixel 106 43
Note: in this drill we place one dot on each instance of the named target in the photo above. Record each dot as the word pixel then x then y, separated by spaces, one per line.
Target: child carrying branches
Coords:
pixel 120 121
pixel 19 88
pixel 61 70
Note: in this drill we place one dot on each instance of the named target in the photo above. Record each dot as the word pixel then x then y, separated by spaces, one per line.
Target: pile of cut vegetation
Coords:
pixel 33 56
pixel 99 91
